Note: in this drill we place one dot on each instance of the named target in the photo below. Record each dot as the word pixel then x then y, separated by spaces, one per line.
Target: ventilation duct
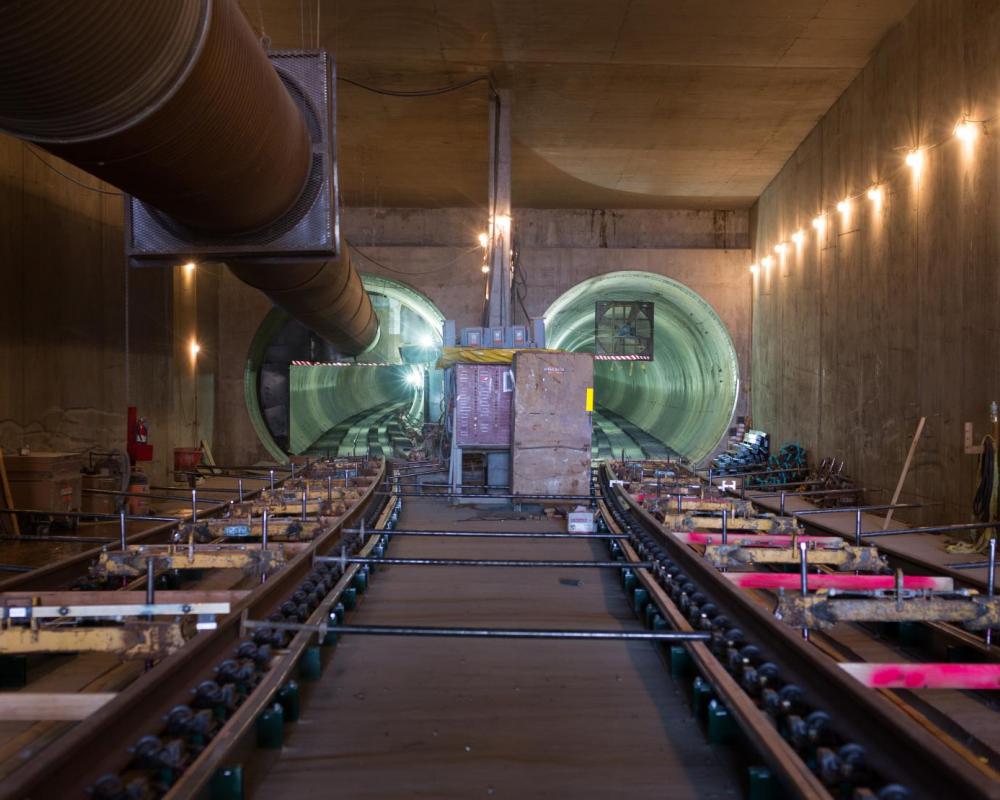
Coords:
pixel 224 153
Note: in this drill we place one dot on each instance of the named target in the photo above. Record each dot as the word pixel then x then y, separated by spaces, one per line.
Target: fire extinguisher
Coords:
pixel 141 431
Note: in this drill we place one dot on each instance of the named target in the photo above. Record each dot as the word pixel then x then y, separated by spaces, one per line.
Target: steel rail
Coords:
pixel 495 534
pixel 477 562
pixel 100 744
pixel 895 745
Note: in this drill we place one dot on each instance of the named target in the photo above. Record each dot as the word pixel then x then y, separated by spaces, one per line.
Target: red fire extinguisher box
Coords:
pixel 139 448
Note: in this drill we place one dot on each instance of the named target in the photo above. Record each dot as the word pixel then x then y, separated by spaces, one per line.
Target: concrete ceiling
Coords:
pixel 616 103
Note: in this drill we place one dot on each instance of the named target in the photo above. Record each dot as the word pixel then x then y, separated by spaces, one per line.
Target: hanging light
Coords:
pixel 780 248
pixel 844 206
pixel 915 159
pixel 875 194
pixel 967 130
pixel 819 222
pixel 754 269
pixel 483 240
pixel 799 237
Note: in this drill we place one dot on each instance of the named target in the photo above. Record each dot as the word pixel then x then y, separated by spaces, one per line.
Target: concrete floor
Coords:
pixel 442 718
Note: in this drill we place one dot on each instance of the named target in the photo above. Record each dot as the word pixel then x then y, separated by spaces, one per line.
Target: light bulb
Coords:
pixel 780 248
pixel 875 194
pixel 483 240
pixel 189 267
pixel 915 159
pixel 819 222
pixel 766 262
pixel 754 268
pixel 486 269
pixel 844 206
pixel 415 378
pixel 967 131
pixel 799 237
pixel 195 348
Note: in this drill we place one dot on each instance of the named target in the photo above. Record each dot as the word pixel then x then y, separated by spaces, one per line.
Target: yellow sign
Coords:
pixel 590 398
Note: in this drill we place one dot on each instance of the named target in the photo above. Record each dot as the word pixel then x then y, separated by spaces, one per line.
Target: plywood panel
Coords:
pixel 550 453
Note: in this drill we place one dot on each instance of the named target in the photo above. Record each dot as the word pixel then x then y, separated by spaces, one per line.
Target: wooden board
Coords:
pixel 37 706
pixel 552 427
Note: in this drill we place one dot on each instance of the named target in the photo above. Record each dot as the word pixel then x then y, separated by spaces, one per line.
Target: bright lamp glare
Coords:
pixel 967 131
pixel 483 240
pixel 415 378
pixel 426 340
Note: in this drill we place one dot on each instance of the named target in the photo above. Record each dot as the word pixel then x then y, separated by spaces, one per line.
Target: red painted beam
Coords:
pixel 925 676
pixel 757 539
pixel 787 580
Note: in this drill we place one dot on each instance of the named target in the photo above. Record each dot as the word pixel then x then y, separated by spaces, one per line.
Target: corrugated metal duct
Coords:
pixel 177 103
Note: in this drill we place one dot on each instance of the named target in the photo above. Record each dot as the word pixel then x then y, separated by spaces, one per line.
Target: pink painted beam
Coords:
pixel 757 539
pixel 925 676
pixel 786 580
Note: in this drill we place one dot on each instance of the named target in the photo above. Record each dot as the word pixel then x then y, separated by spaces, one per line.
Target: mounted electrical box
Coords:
pixel 623 330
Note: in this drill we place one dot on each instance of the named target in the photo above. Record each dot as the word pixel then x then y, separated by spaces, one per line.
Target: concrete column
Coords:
pixel 501 225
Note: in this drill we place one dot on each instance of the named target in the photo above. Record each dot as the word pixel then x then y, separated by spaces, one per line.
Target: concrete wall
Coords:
pixel 436 252
pixel 892 313
pixel 81 338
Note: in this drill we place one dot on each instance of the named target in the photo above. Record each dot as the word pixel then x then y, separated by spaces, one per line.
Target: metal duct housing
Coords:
pixel 177 104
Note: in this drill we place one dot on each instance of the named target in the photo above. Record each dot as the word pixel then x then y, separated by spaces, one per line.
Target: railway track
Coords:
pixel 404 711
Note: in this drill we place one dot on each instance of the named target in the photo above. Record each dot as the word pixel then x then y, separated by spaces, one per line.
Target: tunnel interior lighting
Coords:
pixel 483 240
pixel 415 378
pixel 754 268
pixel 819 222
pixel 780 248
pixel 189 267
pixel 486 269
pixel 844 206
pixel 194 348
pixel 915 159
pixel 766 262
pixel 875 194
pixel 799 237
pixel 426 340
pixel 967 130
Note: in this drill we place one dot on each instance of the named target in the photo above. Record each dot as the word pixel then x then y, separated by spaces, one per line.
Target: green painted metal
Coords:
pixel 271 727
pixel 686 396
pixel 227 783
pixel 310 664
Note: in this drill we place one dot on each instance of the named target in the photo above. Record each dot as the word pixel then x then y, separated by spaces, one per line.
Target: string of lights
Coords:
pixel 966 131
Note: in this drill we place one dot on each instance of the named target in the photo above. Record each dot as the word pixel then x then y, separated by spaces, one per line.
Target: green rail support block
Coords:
pixel 330 637
pixel 360 581
pixel 271 727
pixel 680 661
pixel 13 671
pixel 338 613
pixel 650 614
pixel 629 581
pixel 349 598
pixel 721 725
pixel 911 634
pixel 763 784
pixel 227 783
pixel 640 599
pixel 310 665
pixel 291 701
pixel 702 694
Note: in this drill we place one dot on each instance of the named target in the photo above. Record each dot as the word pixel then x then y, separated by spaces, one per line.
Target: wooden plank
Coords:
pixel 905 471
pixel 925 676
pixel 39 706
pixel 788 580
pixel 8 498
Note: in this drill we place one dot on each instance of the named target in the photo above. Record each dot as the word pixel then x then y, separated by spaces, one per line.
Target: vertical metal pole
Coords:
pixel 194 505
pixel 329 487
pixel 991 572
pixel 272 479
pixel 305 501
pixel 680 504
pixel 150 581
pixel 743 487
pixel 239 488
pixel 123 528
pixel 804 574
pixel 781 505
pixel 857 528
pixel 725 526
pixel 293 469
pixel 263 529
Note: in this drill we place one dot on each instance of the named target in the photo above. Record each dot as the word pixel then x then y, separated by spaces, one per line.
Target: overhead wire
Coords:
pixel 70 178
pixel 384 266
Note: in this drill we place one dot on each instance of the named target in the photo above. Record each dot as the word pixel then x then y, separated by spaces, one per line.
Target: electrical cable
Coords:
pixel 378 263
pixel 986 501
pixel 71 179
pixel 454 87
